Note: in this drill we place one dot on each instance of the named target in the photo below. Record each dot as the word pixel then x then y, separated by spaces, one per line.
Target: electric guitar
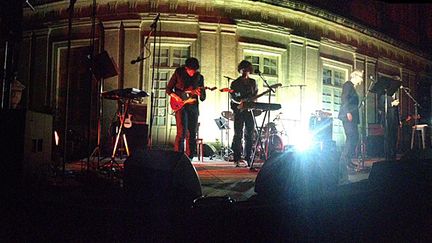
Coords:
pixel 250 99
pixel 178 104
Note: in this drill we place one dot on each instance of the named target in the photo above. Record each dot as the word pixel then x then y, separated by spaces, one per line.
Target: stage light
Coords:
pixel 57 138
pixel 302 140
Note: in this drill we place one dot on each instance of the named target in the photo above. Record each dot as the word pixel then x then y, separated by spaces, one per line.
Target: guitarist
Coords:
pixel 184 79
pixel 243 88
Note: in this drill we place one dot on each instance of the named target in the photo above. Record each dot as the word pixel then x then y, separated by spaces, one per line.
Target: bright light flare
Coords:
pixel 303 140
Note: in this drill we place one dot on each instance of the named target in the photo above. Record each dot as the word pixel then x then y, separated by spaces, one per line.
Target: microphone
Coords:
pixel 138 59
pixel 156 19
pixel 403 87
pixel 31 6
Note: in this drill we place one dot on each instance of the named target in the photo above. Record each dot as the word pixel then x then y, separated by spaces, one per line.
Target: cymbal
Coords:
pixel 227 115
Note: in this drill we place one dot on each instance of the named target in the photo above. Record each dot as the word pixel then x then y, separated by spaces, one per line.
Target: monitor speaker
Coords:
pixel 209 150
pixel 104 66
pixel 410 175
pixel 290 175
pixel 162 177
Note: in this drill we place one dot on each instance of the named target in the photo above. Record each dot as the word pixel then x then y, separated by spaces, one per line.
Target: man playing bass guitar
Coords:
pixel 243 88
pixel 186 84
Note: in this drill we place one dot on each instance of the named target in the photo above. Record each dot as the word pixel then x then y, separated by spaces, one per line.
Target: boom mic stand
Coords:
pixel 416 105
pixel 362 156
pixel 266 145
pixel 140 58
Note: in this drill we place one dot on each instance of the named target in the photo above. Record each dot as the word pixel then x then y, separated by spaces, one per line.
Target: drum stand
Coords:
pixel 113 165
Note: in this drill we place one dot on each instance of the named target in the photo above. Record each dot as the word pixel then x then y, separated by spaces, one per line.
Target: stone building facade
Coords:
pixel 308 50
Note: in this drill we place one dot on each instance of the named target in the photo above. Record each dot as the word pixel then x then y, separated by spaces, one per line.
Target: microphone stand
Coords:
pixel 228 109
pixel 416 106
pixel 152 98
pixel 361 166
pixel 141 56
pixel 91 57
pixel 67 74
pixel 268 116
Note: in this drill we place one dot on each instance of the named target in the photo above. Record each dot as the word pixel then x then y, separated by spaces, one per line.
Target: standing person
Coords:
pixel 187 83
pixel 392 125
pixel 349 115
pixel 243 88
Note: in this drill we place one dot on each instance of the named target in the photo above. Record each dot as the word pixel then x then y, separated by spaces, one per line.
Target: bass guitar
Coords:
pixel 274 86
pixel 178 104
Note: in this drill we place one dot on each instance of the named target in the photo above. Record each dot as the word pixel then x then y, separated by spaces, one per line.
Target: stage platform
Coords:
pixel 221 178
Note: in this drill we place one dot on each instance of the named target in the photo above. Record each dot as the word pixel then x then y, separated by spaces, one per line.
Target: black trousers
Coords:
pixel 243 119
pixel 352 137
pixel 187 123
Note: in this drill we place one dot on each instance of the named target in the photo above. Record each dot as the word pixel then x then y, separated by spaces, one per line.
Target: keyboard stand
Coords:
pixel 112 165
pixel 258 139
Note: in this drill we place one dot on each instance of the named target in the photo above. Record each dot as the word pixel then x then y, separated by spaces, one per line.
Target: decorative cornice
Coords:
pixel 253 25
pixel 338 45
pixel 326 15
pixel 275 16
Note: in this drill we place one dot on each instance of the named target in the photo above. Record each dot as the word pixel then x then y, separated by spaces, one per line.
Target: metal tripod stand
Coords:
pixel 113 165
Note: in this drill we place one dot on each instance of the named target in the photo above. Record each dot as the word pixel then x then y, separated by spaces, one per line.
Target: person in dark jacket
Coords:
pixel 186 84
pixel 349 115
pixel 391 127
pixel 242 89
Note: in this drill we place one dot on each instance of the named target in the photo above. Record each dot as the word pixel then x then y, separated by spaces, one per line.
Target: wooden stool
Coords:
pixel 423 133
pixel 200 149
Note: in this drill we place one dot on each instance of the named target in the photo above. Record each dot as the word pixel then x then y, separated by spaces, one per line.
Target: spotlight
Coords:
pixel 302 140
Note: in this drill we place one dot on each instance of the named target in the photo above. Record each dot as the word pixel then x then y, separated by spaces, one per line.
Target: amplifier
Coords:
pixel 322 128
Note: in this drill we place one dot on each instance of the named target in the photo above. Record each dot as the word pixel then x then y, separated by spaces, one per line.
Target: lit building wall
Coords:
pixel 311 56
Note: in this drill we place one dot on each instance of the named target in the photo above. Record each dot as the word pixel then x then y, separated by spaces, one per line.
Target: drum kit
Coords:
pixel 275 131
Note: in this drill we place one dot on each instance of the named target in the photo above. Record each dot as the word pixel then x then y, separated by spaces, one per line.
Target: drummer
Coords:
pixel 243 88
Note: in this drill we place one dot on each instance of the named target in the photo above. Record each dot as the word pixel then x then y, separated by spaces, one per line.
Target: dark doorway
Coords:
pixel 82 103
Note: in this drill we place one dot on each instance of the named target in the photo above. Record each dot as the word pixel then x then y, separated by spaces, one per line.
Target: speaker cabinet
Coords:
pixel 12 130
pixel 209 150
pixel 375 146
pixel 137 136
pixel 162 177
pixel 104 66
pixel 38 145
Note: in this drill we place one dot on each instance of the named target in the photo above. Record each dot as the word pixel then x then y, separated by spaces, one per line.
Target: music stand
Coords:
pixel 387 87
pixel 222 124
